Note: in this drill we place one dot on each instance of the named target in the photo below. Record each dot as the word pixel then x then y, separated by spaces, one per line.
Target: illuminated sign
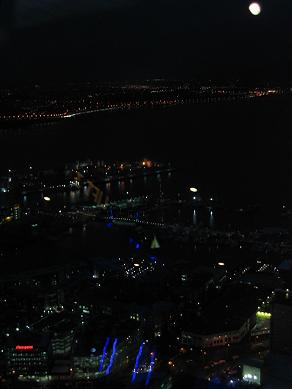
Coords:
pixel 24 348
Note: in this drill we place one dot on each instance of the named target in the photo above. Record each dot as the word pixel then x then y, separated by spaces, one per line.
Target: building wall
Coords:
pixel 62 343
pixel 281 328
pixel 27 362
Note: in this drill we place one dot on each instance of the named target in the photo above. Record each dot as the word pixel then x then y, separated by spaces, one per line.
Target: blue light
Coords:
pixel 153 258
pixel 215 382
pixel 131 240
pixel 137 362
pixel 109 225
pixel 112 356
pixel 137 246
pixel 152 361
pixel 103 354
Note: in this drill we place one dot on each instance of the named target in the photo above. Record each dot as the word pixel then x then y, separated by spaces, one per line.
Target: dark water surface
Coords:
pixel 239 151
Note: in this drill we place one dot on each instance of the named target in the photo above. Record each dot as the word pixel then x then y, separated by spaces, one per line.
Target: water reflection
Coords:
pixel 122 186
pixel 195 218
pixel 211 219
pixel 73 197
pixel 108 187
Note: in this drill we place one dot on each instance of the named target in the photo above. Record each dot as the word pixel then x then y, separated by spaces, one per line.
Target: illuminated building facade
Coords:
pixel 16 212
pixel 62 342
pixel 252 372
pixel 29 359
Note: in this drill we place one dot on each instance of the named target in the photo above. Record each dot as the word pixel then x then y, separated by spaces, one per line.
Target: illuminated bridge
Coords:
pixel 135 221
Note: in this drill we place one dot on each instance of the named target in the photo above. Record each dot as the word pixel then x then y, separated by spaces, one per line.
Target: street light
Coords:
pixel 194 190
pixel 46 198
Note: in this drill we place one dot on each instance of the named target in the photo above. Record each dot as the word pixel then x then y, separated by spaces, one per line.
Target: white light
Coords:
pixel 255 9
pixel 221 264
pixel 194 190
pixel 46 198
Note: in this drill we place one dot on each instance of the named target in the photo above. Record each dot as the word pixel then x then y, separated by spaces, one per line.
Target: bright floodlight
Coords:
pixel 194 190
pixel 46 198
pixel 255 9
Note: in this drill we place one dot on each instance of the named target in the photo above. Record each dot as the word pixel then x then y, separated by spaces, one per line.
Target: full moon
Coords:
pixel 255 9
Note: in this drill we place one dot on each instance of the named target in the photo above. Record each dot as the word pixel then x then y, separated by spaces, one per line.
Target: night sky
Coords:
pixel 134 39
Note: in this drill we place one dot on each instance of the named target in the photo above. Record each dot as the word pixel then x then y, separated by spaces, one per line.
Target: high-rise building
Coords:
pixel 285 269
pixel 62 339
pixel 281 323
pixel 28 356
pixel 16 212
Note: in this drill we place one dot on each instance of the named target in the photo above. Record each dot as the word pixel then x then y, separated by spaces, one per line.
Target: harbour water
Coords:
pixel 224 149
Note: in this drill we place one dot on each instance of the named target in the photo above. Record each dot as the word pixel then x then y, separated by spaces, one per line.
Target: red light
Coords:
pixel 24 348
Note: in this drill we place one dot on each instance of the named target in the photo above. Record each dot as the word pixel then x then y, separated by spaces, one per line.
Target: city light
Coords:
pixel 104 247
pixel 137 361
pixel 152 361
pixel 264 315
pixel 112 356
pixel 104 354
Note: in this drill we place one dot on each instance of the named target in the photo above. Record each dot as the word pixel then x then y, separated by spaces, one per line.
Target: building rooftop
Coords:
pixel 283 297
pixel 29 339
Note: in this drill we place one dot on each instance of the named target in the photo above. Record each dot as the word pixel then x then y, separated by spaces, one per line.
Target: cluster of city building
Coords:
pixel 88 296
